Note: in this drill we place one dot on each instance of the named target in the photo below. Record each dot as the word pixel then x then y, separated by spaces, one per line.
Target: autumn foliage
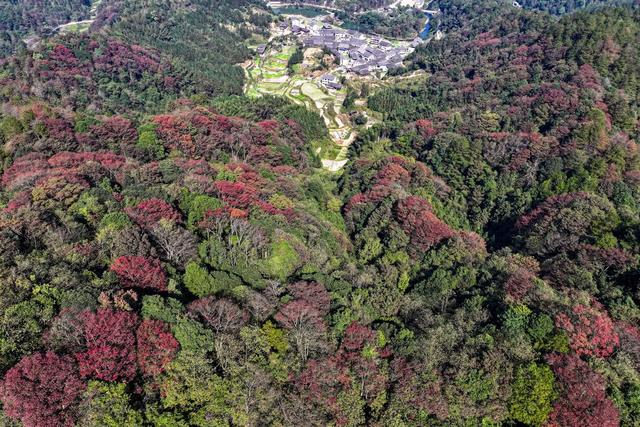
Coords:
pixel 423 227
pixel 591 331
pixel 42 389
pixel 583 401
pixel 156 346
pixel 149 212
pixel 140 272
pixel 111 341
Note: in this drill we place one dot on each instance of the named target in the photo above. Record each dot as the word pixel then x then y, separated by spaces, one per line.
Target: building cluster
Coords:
pixel 358 53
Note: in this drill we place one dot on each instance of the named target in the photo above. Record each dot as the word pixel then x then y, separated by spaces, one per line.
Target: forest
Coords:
pixel 18 18
pixel 204 38
pixel 567 6
pixel 400 24
pixel 173 254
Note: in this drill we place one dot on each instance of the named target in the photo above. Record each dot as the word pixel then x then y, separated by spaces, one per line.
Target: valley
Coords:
pixel 333 62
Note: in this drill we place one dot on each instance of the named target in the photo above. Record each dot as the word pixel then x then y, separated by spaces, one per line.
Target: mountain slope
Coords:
pixel 205 37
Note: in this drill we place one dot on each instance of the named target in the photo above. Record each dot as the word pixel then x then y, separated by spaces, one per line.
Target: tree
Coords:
pixel 305 324
pixel 532 394
pixel 177 244
pixel 221 315
pixel 198 281
pixel 140 272
pixel 107 405
pixel 66 332
pixel 590 329
pixel 418 394
pixel 149 212
pixel 111 341
pixel 417 219
pixel 43 390
pixel 582 401
pixel 156 346
pixel 190 385
pixel 352 381
pixel 193 336
pixel 562 222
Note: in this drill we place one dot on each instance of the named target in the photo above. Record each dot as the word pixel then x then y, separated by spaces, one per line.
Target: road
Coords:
pixel 416 4
pixel 69 24
pixel 277 5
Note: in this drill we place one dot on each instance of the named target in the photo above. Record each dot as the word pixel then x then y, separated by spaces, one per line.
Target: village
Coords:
pixel 335 61
pixel 356 52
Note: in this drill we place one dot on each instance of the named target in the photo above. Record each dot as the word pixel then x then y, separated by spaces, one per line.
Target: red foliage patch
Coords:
pixel 417 219
pixel 111 341
pixel 115 130
pixel 426 129
pixel 237 194
pixel 590 330
pixel 313 293
pixel 34 167
pixel 583 401
pixel 42 390
pixel 140 272
pixel 393 173
pixel 149 212
pixel 156 346
pixel 322 380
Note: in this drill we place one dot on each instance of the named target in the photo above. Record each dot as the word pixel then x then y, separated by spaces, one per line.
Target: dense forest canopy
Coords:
pixel 204 37
pixel 403 23
pixel 567 6
pixel 18 18
pixel 174 256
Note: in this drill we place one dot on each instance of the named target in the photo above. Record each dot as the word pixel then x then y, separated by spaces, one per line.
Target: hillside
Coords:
pixel 174 255
pixel 561 7
pixel 18 18
pixel 204 37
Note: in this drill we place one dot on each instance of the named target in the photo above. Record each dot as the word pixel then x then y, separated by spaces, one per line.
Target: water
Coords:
pixel 427 28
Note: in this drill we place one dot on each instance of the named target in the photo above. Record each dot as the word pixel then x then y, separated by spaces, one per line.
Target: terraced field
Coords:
pixel 269 75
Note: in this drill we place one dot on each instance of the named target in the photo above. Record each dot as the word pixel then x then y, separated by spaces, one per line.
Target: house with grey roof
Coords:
pixel 330 81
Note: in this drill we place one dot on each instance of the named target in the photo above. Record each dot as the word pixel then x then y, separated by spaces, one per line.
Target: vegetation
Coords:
pixel 399 24
pixel 19 18
pixel 172 255
pixel 567 6
pixel 205 39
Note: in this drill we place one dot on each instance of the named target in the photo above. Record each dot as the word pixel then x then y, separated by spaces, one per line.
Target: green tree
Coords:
pixel 107 405
pixel 199 281
pixel 532 394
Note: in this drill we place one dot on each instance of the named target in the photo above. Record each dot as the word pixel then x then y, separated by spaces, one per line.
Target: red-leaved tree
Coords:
pixel 423 227
pixel 590 329
pixel 156 346
pixel 42 390
pixel 149 212
pixel 361 360
pixel 111 341
pixel 583 401
pixel 140 272
pixel 314 293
